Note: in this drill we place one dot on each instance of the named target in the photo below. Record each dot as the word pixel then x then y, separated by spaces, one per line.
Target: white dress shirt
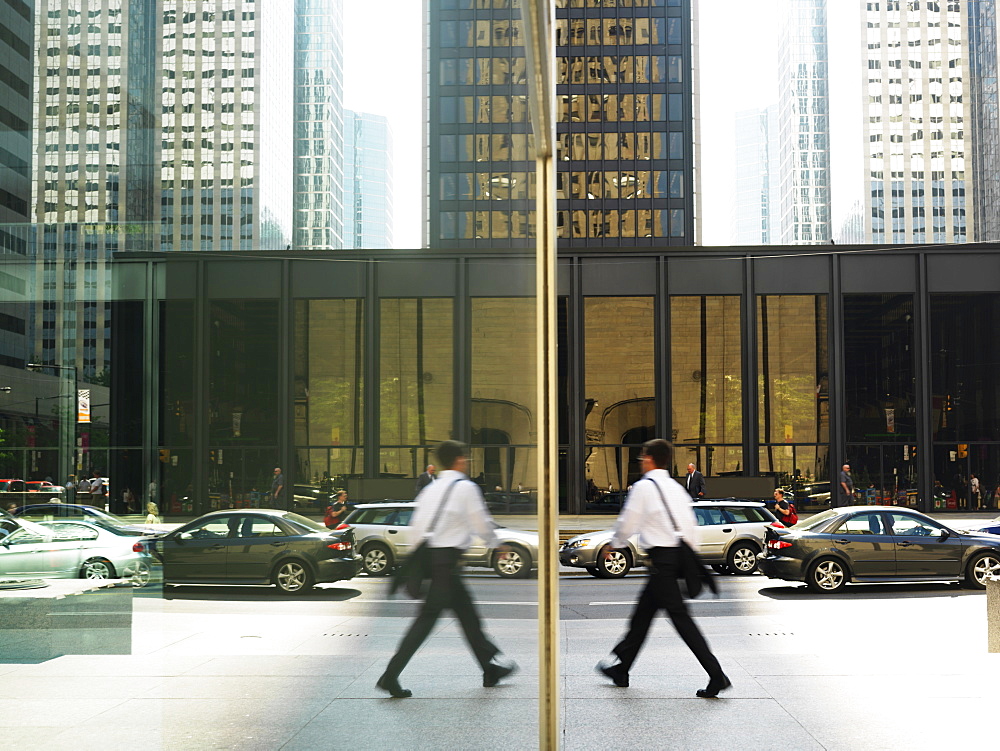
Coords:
pixel 464 513
pixel 644 513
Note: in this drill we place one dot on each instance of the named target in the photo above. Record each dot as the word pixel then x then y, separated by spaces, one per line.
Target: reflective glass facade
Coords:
pixel 802 210
pixel 368 186
pixel 319 125
pixel 624 123
pixel 984 96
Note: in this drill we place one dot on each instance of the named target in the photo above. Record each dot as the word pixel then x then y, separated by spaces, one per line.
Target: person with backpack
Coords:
pixel 784 510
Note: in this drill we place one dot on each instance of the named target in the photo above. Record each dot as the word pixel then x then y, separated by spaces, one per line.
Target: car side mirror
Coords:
pixel 945 534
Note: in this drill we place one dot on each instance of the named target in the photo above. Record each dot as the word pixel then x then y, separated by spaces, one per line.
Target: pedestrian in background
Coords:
pixel 695 483
pixel 784 510
pixel 660 511
pixel 335 511
pixel 448 513
pixel 278 488
pixel 846 486
pixel 152 513
pixel 425 479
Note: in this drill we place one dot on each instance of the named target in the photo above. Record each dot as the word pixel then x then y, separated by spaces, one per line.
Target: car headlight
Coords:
pixel 578 543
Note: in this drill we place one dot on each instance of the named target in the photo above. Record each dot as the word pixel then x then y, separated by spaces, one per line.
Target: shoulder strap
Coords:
pixel 440 508
pixel 663 498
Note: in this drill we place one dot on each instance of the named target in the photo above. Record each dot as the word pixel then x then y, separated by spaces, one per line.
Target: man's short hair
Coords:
pixel 780 492
pixel 449 452
pixel 660 451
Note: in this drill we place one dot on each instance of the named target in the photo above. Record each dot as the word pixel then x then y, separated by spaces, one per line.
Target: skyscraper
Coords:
pixel 801 212
pixel 984 102
pixel 624 124
pixel 917 123
pixel 319 125
pixel 367 181
pixel 756 144
pixel 16 56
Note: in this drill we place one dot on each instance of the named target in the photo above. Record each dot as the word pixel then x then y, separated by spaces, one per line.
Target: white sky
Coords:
pixel 738 63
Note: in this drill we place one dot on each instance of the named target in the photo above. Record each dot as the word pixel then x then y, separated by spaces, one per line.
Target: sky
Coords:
pixel 737 69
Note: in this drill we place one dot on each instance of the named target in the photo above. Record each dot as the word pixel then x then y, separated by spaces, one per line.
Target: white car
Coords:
pixel 69 550
pixel 384 537
pixel 732 537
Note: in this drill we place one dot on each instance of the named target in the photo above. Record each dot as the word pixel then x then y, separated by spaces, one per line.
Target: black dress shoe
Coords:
pixel 715 685
pixel 494 672
pixel 617 673
pixel 391 685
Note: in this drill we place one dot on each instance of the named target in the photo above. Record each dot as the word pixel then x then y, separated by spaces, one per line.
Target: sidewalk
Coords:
pixel 247 681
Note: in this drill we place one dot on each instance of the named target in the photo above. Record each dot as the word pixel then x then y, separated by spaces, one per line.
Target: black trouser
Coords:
pixel 446 591
pixel 663 591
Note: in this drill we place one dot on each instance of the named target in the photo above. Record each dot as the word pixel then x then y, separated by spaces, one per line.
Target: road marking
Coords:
pixel 728 599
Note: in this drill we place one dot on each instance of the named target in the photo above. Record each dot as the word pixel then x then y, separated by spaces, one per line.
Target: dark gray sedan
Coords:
pixel 256 546
pixel 878 544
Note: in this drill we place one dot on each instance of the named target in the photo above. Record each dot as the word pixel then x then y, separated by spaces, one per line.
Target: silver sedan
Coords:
pixel 69 550
pixel 732 538
pixel 384 538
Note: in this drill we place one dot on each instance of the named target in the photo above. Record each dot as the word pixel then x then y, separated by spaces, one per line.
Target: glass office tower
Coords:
pixel 918 166
pixel 624 114
pixel 801 214
pixel 756 144
pixel 984 61
pixel 367 181
pixel 319 125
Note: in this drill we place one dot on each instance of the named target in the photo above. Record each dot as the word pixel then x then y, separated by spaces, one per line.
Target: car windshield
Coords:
pixel 303 523
pixel 35 529
pixel 817 521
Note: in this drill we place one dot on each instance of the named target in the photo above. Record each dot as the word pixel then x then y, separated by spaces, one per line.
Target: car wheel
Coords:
pixel 743 559
pixel 515 565
pixel 615 565
pixel 981 568
pixel 592 570
pixel 292 577
pixel 827 575
pixel 138 574
pixel 720 568
pixel 97 568
pixel 376 560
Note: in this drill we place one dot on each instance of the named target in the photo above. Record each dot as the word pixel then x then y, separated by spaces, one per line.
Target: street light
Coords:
pixel 67 425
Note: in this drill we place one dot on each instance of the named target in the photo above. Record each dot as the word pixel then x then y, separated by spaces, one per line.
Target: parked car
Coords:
pixel 44 486
pixel 256 546
pixel 70 550
pixel 732 537
pixel 384 539
pixel 866 544
pixel 40 512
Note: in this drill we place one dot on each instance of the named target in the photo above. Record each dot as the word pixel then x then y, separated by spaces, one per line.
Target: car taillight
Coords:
pixel 779 525
pixel 778 544
pixel 138 548
pixel 343 525
pixel 339 546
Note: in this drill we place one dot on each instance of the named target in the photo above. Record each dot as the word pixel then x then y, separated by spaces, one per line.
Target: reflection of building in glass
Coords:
pixel 16 56
pixel 226 179
pixel 319 124
pixel 624 114
pixel 918 166
pixel 367 181
pixel 756 143
pixel 801 212
pixel 984 67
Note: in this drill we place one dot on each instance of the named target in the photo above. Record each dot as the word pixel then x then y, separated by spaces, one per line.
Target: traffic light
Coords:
pixel 963 451
pixel 165 456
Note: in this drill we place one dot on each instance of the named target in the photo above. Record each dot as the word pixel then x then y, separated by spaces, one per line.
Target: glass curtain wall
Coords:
pixel 706 386
pixel 880 398
pixel 502 413
pixel 619 395
pixel 329 391
pixel 416 382
pixel 793 394
pixel 965 402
